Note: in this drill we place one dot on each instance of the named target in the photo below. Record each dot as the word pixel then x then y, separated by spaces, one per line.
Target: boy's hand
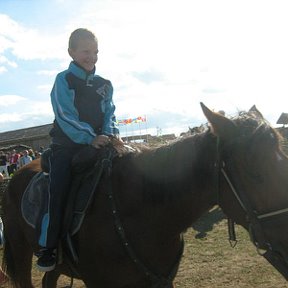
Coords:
pixel 100 141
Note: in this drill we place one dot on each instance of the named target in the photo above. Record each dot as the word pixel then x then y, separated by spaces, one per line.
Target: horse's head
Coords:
pixel 253 181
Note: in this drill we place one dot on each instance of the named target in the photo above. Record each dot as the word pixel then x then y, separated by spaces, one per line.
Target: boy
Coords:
pixel 84 115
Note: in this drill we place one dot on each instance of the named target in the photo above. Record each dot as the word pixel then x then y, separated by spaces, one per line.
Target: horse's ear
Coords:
pixel 253 110
pixel 222 126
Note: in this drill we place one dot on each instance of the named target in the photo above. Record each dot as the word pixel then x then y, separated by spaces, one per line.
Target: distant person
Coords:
pixel 8 156
pixel 31 154
pixel 25 159
pixel 3 164
pixel 13 161
pixel 84 115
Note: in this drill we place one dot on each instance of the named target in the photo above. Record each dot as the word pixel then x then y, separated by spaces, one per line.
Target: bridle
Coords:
pixel 271 251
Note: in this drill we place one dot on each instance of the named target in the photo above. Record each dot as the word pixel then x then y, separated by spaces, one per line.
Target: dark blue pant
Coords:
pixel 60 180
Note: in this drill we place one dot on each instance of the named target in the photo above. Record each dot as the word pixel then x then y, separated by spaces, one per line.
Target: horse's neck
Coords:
pixel 198 186
pixel 180 180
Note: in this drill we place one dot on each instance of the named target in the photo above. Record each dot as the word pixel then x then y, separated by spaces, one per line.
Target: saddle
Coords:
pixel 87 168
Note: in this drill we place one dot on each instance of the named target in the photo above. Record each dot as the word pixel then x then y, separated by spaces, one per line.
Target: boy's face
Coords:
pixel 85 54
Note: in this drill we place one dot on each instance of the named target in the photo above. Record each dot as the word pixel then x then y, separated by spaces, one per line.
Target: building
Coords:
pixel 283 119
pixel 34 137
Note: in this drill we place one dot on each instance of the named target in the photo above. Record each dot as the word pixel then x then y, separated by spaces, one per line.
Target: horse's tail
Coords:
pixel 8 262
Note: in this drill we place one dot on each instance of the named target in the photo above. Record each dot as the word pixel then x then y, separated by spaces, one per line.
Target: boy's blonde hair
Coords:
pixel 78 35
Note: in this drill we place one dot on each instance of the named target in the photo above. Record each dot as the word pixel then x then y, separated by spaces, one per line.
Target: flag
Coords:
pixel 128 121
pixel 140 119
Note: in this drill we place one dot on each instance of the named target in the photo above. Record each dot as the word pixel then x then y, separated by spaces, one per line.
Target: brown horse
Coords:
pixel 131 234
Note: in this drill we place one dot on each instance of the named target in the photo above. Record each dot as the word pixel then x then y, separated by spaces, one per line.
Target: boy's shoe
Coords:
pixel 47 260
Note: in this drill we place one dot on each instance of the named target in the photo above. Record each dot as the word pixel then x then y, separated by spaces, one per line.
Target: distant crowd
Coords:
pixel 12 161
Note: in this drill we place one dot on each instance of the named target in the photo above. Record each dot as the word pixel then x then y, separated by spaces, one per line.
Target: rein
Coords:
pixel 273 252
pixel 261 216
pixel 158 281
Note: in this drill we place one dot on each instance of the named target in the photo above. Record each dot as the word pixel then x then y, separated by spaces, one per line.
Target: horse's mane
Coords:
pixel 253 127
pixel 164 166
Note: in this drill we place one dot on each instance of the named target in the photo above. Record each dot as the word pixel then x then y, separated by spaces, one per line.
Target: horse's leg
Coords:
pixel 49 279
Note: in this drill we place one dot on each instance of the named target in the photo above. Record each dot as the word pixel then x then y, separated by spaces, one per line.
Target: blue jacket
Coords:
pixel 83 107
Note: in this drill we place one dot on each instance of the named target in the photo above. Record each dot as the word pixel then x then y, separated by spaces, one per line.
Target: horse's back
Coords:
pixel 17 185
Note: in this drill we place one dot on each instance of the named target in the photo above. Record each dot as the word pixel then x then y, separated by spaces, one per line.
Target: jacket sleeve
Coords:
pixel 66 115
pixel 110 126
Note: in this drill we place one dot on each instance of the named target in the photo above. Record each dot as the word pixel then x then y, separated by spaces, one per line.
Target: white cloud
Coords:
pixel 3 69
pixel 41 109
pixel 24 112
pixel 45 88
pixel 10 100
pixel 48 72
pixel 27 43
pixel 11 117
pixel 24 105
pixel 4 60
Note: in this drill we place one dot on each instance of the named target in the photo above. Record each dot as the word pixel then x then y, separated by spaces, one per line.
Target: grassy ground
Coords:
pixel 210 261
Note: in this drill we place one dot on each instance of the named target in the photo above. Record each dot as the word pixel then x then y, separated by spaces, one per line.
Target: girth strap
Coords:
pixel 158 281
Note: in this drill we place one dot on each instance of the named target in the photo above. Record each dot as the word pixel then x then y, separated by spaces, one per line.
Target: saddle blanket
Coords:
pixel 35 198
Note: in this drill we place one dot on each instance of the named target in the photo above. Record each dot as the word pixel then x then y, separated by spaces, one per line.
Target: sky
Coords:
pixel 163 58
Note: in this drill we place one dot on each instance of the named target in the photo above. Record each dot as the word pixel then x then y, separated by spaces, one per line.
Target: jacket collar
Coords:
pixel 79 72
